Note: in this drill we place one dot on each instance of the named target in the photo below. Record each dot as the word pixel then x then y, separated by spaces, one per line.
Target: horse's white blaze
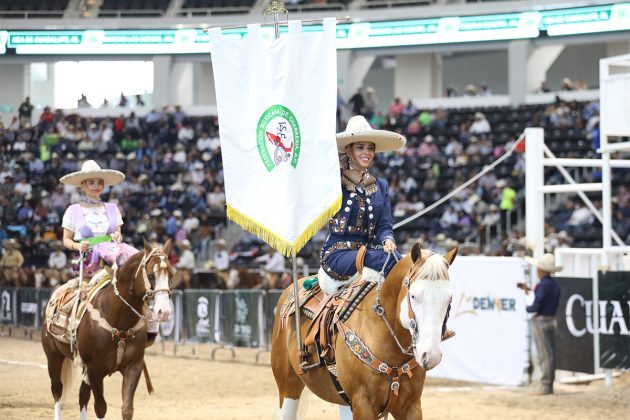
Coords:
pixel 345 412
pixel 289 409
pixel 57 410
pixel 161 305
pixel 233 279
pixel 84 413
pixel 429 301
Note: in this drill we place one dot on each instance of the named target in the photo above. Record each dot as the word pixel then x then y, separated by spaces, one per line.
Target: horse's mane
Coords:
pixel 434 267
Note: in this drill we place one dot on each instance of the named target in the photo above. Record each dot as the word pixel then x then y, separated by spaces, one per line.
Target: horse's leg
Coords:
pixel 131 376
pixel 55 365
pixel 413 413
pixel 362 408
pixel 96 383
pixel 289 384
pixel 84 398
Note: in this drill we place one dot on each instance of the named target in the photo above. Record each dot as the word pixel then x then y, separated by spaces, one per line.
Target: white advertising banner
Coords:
pixel 488 314
pixel 276 102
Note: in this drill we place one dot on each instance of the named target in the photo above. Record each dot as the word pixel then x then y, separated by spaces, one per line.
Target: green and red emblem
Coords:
pixel 278 137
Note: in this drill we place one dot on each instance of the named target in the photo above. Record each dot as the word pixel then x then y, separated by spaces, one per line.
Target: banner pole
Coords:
pixel 296 291
pixel 274 8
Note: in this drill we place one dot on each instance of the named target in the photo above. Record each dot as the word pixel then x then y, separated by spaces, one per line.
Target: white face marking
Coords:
pixel 429 302
pixel 161 303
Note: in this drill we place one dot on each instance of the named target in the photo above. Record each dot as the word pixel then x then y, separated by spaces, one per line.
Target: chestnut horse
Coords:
pixel 382 352
pixel 112 335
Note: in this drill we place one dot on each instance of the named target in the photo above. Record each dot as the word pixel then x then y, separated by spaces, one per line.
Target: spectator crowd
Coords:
pixel 174 186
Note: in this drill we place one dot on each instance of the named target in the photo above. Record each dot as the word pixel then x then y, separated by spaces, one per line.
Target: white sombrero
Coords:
pixel 546 263
pixel 89 170
pixel 359 129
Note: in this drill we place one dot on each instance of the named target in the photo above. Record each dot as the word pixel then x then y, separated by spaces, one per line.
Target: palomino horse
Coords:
pixel 112 335
pixel 382 350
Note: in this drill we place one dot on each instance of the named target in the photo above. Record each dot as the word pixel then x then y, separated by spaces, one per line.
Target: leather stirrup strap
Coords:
pixel 360 259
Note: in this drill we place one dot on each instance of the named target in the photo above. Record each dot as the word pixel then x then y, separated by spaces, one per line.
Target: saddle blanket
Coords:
pixel 65 309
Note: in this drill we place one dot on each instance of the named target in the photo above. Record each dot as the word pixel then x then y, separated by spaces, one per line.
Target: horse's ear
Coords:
pixel 167 246
pixel 147 247
pixel 416 252
pixel 450 255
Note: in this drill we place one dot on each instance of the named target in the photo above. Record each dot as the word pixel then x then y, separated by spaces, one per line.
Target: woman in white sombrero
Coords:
pixel 92 226
pixel 365 217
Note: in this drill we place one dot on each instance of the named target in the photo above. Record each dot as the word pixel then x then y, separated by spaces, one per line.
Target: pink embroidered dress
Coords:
pixel 93 221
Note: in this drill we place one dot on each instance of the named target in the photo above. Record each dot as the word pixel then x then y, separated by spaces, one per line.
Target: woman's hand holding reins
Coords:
pixel 83 246
pixel 116 236
pixel 389 245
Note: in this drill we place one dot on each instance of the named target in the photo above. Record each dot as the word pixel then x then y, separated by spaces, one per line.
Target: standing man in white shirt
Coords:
pixel 57 262
pixel 221 260
pixel 273 266
pixel 186 263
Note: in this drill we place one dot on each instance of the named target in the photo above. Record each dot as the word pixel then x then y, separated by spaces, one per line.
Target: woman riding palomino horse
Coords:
pixel 365 216
pixel 93 228
pixel 382 351
pixel 111 336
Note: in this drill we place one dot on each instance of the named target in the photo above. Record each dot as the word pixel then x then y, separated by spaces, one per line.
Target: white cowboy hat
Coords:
pixel 89 170
pixel 358 129
pixel 546 263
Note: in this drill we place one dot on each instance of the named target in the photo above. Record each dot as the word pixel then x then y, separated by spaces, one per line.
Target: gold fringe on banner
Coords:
pixel 274 240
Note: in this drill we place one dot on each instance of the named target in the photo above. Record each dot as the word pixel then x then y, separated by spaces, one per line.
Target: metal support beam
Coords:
pixel 564 188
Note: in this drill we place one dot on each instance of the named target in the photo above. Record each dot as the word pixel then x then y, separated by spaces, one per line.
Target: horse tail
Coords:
pixel 147 378
pixel 67 377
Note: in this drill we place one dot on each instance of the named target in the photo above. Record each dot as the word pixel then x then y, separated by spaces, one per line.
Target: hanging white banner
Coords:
pixel 488 315
pixel 276 103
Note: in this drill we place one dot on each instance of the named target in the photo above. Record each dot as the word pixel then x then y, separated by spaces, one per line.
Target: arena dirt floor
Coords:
pixel 192 386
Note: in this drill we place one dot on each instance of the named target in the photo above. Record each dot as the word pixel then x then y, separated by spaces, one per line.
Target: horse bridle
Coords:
pixel 149 291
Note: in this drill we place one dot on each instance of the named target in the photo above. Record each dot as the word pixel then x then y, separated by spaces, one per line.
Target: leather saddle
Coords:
pixel 326 311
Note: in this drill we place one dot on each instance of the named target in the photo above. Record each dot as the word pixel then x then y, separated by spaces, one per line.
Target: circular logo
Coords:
pixel 278 137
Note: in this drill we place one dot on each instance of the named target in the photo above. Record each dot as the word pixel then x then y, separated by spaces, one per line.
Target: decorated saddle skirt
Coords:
pixel 65 309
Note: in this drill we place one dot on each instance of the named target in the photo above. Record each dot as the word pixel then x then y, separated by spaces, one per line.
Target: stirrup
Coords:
pixel 448 334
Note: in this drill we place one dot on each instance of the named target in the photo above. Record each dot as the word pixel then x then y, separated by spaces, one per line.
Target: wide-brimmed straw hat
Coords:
pixel 90 170
pixel 358 129
pixel 11 243
pixel 546 263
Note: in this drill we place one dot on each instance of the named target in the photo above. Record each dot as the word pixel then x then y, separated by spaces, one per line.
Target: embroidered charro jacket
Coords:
pixel 365 217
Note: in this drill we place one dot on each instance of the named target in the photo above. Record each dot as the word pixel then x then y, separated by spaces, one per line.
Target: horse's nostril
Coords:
pixel 425 360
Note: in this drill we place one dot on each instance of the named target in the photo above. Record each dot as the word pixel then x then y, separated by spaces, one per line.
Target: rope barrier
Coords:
pixel 487 169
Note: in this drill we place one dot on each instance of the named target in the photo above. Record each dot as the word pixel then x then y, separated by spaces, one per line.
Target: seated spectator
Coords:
pixel 221 260
pixel 273 265
pixel 451 91
pixel 185 265
pixel 484 90
pixel 567 84
pixel 480 125
pixel 492 217
pixel 396 108
pixel 216 198
pixel 428 148
pixel 581 215
pixel 470 90
pixel 57 263
pixel 123 101
pixel 11 263
pixel 371 103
